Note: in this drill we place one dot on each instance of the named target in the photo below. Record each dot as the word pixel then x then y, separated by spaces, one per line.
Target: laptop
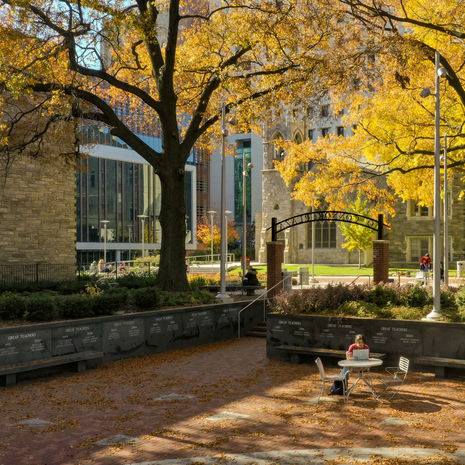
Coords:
pixel 361 354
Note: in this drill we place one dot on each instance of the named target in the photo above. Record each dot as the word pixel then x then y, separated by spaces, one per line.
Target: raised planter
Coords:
pixel 392 337
pixel 128 335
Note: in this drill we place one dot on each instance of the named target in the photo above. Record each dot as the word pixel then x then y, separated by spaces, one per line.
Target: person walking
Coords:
pixel 425 267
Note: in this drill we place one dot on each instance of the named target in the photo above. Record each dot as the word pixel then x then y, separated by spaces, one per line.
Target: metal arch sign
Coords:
pixel 310 217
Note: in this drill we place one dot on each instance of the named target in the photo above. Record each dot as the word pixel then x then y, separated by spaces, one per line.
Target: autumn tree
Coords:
pixel 204 233
pixel 171 64
pixel 357 237
pixel 383 56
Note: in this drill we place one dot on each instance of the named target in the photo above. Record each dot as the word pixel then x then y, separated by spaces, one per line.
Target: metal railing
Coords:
pixel 263 295
pixel 17 273
pixel 361 276
pixel 215 258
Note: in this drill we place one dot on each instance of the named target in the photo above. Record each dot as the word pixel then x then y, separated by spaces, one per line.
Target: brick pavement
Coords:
pixel 222 403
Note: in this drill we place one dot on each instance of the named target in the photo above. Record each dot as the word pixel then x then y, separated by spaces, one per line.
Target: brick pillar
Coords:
pixel 274 258
pixel 380 261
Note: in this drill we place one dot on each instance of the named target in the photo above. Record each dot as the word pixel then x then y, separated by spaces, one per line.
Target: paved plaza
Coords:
pixel 224 403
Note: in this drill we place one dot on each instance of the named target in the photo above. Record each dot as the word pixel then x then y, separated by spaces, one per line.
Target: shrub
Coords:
pixel 383 296
pixel 416 296
pixel 358 308
pixel 448 298
pixel 71 287
pixel 408 313
pixel 318 299
pixel 75 306
pixel 171 299
pixel 40 308
pixel 460 298
pixel 133 281
pixel 109 302
pixel 197 281
pixel 146 297
pixel 203 297
pixel 12 306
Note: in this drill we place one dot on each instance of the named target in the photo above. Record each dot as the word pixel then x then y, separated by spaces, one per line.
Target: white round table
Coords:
pixel 362 367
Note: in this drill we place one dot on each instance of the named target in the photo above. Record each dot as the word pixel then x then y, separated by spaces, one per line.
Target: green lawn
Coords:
pixel 336 270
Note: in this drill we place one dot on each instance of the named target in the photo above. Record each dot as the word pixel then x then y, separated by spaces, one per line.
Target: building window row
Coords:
pixel 340 131
pixel 202 186
pixel 325 235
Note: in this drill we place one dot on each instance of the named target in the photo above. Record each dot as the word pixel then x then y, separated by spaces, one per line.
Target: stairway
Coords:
pixel 257 331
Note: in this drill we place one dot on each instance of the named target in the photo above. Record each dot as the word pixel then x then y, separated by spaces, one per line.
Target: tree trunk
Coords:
pixel 172 271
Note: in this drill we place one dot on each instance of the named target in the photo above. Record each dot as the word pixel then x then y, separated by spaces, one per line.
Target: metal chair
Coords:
pixel 324 377
pixel 397 376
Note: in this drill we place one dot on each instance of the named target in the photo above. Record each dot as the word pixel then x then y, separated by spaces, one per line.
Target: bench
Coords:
pixel 297 351
pixel 249 290
pixel 78 359
pixel 440 364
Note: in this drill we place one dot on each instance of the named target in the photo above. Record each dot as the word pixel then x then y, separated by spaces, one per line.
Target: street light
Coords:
pixel 226 218
pixel 104 222
pixel 436 314
pixel 212 214
pixel 446 219
pixel 142 219
pixel 223 226
pixel 130 239
pixel 244 212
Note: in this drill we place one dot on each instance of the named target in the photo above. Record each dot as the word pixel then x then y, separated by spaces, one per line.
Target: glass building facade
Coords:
pixel 243 150
pixel 117 191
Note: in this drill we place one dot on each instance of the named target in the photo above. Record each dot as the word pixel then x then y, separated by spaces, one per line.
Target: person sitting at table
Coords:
pixel 251 279
pixel 359 344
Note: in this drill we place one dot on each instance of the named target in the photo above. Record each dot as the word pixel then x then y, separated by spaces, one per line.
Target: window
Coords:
pixel 340 131
pixel 202 186
pixel 324 111
pixel 325 235
pixel 310 134
pixel 417 247
pixel 418 211
pixel 324 132
pixel 279 154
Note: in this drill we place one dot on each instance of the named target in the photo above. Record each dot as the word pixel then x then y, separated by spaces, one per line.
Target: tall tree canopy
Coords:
pixel 170 63
pixel 383 56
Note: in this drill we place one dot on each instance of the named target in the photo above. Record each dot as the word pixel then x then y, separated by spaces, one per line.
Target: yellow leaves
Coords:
pixel 204 233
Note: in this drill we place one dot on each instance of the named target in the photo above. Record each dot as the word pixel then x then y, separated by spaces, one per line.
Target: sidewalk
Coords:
pixel 224 403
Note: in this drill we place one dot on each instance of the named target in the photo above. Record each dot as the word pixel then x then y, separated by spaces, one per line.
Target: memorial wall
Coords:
pixel 127 335
pixel 392 337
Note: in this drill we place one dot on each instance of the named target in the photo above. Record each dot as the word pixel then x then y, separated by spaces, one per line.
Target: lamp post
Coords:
pixel 244 212
pixel 142 220
pixel 446 219
pixel 436 314
pixel 226 218
pixel 130 240
pixel 313 248
pixel 104 222
pixel 223 226
pixel 212 214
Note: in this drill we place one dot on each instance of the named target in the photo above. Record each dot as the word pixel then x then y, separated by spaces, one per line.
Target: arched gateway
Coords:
pixel 274 249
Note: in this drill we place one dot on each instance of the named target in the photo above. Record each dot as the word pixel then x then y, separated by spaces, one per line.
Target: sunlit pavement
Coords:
pixel 224 403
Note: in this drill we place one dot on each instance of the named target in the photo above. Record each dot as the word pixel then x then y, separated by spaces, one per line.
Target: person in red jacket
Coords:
pixel 357 345
pixel 425 267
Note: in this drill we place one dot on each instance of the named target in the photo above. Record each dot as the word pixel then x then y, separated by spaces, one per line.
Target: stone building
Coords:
pixel 411 233
pixel 37 203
